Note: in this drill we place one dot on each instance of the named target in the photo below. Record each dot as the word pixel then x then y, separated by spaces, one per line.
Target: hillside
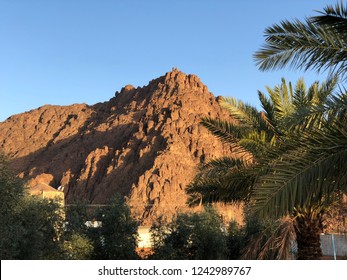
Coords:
pixel 145 143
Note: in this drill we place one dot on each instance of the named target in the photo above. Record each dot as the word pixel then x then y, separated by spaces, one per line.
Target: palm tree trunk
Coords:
pixel 308 228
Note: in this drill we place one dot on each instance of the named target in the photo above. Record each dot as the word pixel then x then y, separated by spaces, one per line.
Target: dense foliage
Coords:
pixel 117 237
pixel 35 228
pixel 30 228
pixel 196 236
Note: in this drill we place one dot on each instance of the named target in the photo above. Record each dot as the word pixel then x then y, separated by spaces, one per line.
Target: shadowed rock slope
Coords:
pixel 144 143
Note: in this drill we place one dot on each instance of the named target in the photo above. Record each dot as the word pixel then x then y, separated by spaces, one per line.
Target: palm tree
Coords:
pixel 309 177
pixel 312 174
pixel 263 135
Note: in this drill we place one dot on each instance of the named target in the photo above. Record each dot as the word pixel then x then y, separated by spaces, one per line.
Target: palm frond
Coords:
pixel 335 107
pixel 332 107
pixel 312 106
pixel 334 17
pixel 221 166
pixel 251 251
pixel 257 143
pixel 282 96
pixel 285 238
pixel 300 94
pixel 224 179
pixel 272 243
pixel 269 110
pixel 309 173
pixel 302 45
pixel 245 114
pixel 222 129
pixel 228 133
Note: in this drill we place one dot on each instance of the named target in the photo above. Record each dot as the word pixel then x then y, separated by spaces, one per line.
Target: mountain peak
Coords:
pixel 127 89
pixel 180 78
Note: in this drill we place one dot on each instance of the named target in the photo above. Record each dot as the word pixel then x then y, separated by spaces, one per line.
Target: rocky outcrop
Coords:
pixel 144 143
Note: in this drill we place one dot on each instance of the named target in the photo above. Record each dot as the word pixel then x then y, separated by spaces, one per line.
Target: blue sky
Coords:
pixel 81 51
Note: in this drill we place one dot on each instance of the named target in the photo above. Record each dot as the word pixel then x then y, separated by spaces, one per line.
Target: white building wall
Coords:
pixel 340 241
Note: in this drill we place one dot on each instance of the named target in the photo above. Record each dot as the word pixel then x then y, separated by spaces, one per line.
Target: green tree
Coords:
pixel 42 221
pixel 77 244
pixel 77 247
pixel 117 237
pixel 30 228
pixel 11 193
pixel 197 236
pixel 76 218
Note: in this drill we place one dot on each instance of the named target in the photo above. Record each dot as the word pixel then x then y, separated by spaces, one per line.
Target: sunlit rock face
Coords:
pixel 145 143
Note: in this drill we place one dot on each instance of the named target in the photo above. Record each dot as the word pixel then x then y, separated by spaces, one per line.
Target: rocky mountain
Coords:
pixel 145 143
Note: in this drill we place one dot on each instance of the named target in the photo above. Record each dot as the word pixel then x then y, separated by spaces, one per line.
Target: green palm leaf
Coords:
pixel 302 45
pixel 310 173
pixel 334 17
pixel 245 114
pixel 212 182
pixel 313 106
pixel 228 133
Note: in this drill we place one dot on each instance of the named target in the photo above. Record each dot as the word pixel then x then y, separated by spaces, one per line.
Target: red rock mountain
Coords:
pixel 144 143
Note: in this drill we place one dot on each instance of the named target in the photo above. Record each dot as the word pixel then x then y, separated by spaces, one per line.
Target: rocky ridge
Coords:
pixel 145 143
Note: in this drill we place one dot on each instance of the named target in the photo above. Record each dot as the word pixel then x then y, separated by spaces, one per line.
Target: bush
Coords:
pixel 78 247
pixel 198 236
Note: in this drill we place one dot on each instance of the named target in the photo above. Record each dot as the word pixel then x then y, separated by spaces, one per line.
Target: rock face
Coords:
pixel 144 143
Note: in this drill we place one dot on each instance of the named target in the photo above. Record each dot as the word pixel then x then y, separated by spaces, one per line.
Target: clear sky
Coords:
pixel 81 51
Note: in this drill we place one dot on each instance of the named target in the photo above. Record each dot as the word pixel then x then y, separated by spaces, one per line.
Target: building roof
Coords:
pixel 42 187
